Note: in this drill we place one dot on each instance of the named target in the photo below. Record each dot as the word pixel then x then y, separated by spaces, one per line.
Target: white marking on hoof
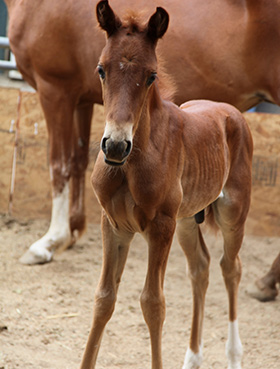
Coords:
pixel 36 254
pixel 234 348
pixel 192 360
pixel 58 235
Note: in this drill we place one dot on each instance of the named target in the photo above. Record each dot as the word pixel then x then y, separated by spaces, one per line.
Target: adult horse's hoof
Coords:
pixel 262 292
pixel 32 258
pixel 42 251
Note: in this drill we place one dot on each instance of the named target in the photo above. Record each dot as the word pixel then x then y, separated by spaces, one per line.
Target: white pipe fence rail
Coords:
pixel 7 64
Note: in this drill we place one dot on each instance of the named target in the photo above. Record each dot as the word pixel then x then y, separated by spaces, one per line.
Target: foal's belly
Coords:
pixel 192 205
pixel 197 195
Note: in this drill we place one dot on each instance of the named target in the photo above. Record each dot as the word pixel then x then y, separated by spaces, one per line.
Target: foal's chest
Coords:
pixel 124 213
pixel 115 197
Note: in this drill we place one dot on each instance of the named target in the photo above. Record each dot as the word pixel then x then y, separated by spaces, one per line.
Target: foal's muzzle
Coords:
pixel 115 152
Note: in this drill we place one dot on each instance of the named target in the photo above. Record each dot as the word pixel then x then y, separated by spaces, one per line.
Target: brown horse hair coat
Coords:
pixel 160 164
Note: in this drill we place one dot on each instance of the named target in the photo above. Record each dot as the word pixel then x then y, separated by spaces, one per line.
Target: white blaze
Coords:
pixel 118 132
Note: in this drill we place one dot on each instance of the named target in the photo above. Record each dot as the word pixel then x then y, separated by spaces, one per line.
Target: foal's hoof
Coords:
pixel 261 292
pixel 32 258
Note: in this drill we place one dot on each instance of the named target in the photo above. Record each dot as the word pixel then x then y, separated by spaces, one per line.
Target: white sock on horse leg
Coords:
pixel 234 348
pixel 193 360
pixel 58 235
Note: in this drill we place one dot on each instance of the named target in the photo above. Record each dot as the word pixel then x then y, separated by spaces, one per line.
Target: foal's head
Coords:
pixel 127 69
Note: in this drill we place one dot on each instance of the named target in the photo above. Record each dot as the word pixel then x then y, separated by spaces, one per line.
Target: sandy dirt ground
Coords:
pixel 46 310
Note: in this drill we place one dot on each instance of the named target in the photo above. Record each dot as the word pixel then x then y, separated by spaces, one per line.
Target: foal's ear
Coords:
pixel 158 24
pixel 107 18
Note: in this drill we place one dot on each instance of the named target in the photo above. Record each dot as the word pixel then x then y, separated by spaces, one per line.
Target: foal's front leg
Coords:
pixel 159 235
pixel 115 250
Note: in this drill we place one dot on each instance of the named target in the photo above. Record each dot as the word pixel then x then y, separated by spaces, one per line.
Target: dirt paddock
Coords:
pixel 46 310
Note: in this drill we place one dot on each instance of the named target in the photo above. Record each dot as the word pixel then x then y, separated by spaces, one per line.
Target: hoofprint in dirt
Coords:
pixel 46 310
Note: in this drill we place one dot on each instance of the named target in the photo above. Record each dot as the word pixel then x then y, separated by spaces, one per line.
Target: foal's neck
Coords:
pixel 152 119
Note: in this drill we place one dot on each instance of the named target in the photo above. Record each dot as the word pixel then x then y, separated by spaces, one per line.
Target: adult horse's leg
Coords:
pixel 58 106
pixel 115 250
pixel 81 138
pixel 265 289
pixel 159 237
pixel 191 240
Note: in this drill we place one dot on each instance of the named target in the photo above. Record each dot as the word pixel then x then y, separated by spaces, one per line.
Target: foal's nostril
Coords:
pixel 128 148
pixel 103 145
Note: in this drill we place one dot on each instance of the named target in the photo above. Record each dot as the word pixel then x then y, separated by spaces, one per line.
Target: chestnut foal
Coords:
pixel 164 163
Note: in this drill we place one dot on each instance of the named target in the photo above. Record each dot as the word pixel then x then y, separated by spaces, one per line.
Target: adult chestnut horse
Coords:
pixel 221 50
pixel 160 163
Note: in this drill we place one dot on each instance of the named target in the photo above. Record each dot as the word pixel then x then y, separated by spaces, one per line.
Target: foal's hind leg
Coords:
pixel 191 240
pixel 231 268
pixel 115 249
pixel 58 108
pixel 230 214
pixel 81 138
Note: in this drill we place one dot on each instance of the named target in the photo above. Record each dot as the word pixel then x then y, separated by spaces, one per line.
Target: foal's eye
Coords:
pixel 151 79
pixel 101 71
